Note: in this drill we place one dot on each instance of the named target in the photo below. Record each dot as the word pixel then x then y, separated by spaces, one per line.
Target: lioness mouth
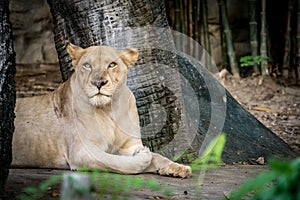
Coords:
pixel 102 94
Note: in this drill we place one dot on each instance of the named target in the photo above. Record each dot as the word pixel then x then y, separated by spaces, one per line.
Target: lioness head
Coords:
pixel 100 71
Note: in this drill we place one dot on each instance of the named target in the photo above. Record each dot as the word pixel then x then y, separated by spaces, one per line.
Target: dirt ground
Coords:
pixel 275 102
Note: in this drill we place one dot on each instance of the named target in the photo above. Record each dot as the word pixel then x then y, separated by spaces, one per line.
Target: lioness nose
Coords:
pixel 99 84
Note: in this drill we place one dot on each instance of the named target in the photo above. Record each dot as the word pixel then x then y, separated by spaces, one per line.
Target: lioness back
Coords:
pixel 37 139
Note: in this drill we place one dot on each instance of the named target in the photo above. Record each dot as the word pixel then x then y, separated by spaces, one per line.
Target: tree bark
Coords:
pixel 298 41
pixel 181 105
pixel 7 92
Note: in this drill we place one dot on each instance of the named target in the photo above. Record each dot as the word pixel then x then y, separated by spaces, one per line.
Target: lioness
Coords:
pixel 91 120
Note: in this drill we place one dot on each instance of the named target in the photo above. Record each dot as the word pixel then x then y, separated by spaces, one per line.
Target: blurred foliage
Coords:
pixel 211 157
pixel 32 193
pixel 103 183
pixel 281 182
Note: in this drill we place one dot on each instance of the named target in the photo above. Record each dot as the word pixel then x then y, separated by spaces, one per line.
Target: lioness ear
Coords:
pixel 129 56
pixel 75 53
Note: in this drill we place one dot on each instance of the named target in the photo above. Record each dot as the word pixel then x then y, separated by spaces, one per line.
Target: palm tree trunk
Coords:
pixel 287 47
pixel 253 32
pixel 263 39
pixel 7 92
pixel 298 41
pixel 229 42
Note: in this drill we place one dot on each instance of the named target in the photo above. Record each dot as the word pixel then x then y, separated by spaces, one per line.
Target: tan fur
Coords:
pixel 79 125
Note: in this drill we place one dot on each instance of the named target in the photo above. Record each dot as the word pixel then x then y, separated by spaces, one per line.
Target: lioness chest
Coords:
pixel 103 130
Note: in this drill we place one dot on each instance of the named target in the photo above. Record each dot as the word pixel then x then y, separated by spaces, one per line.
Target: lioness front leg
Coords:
pixel 164 166
pixel 98 159
pixel 160 164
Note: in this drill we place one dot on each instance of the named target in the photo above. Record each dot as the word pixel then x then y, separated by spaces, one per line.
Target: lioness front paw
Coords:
pixel 176 170
pixel 144 158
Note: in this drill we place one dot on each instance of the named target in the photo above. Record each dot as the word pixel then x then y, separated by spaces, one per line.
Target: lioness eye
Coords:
pixel 112 65
pixel 87 66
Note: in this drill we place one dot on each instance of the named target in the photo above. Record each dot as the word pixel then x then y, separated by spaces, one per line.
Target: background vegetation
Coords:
pixel 274 32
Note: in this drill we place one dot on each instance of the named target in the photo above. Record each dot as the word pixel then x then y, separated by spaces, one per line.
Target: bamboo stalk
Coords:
pixel 196 20
pixel 177 15
pixel 206 33
pixel 298 41
pixel 178 25
pixel 205 25
pixel 263 39
pixel 183 16
pixel 227 31
pixel 183 24
pixel 188 22
pixel 225 64
pixel 253 32
pixel 287 44
pixel 195 28
pixel 191 18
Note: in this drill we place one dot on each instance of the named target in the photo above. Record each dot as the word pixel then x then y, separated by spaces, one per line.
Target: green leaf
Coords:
pixel 216 146
pixel 247 61
pixel 212 154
